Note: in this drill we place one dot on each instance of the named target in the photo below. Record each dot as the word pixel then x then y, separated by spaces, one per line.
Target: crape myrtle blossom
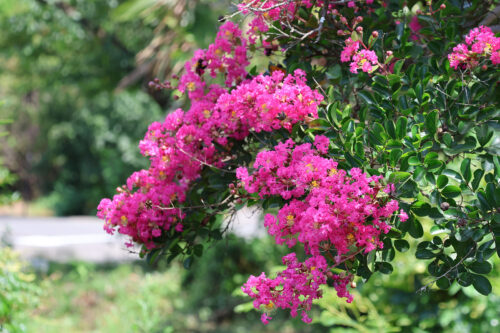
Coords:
pixel 361 59
pixel 480 44
pixel 149 205
pixel 327 210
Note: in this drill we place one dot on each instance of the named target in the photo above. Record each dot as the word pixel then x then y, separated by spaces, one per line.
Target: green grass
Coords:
pixel 123 298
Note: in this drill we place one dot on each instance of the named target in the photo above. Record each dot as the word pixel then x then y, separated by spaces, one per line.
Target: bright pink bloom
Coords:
pixel 150 204
pixel 482 43
pixel 326 209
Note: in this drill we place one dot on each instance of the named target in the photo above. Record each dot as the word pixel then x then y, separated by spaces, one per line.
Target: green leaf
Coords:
pixel 383 267
pixel 401 245
pixel 395 156
pixel 419 173
pixel 492 197
pixel 481 284
pixel 394 233
pixel 399 64
pixel 451 191
pixel 436 230
pixel 465 170
pixel 398 177
pixel 401 125
pixel 414 160
pixel 431 122
pixel 443 283
pixel 390 128
pixel 366 96
pixel 484 134
pixel 424 254
pixel 441 181
pixel 447 139
pixel 478 175
pixel 480 267
pixel 483 202
pixel 465 279
pixel 188 262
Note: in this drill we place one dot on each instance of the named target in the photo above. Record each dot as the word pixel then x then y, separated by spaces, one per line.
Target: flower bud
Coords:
pixel 443 6
pixel 359 19
pixel 359 30
pixel 388 53
pixel 375 34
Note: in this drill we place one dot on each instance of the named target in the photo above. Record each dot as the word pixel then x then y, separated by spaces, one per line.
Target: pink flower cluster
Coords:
pixel 227 57
pixel 149 205
pixel 480 43
pixel 295 288
pixel 363 59
pixel 329 211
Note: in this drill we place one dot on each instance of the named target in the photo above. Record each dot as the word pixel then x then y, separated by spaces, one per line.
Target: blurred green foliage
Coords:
pixel 74 74
pixel 7 178
pixel 60 64
pixel 17 294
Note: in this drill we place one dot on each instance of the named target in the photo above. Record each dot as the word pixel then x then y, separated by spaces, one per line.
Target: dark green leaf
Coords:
pixel 366 97
pixel 443 283
pixel 401 127
pixel 478 175
pixel 465 170
pixel 431 122
pixel 395 156
pixel 401 245
pixel 424 254
pixel 188 262
pixel 480 267
pixel 383 267
pixel 481 284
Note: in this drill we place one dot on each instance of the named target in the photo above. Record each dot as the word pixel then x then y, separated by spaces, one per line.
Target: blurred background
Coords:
pixel 74 103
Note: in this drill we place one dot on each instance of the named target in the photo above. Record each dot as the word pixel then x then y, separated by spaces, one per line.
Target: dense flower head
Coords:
pixel 179 148
pixel 480 44
pixel 363 59
pixel 226 57
pixel 327 206
pixel 294 288
pixel 329 211
pixel 268 102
